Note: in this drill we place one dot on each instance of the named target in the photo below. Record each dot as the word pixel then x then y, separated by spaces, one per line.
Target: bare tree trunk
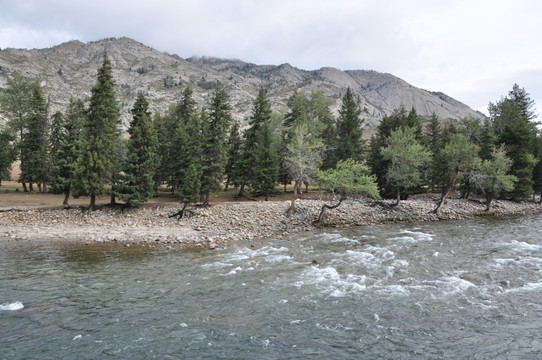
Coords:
pixel 24 187
pixel 446 192
pixel 398 198
pixel 39 187
pixel 92 205
pixel 31 187
pixel 66 198
pixel 326 206
pixel 292 204
pixel 489 197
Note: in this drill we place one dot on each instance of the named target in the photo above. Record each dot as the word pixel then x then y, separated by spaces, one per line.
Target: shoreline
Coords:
pixel 223 223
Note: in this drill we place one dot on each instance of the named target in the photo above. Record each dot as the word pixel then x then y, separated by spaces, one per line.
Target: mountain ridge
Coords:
pixel 69 70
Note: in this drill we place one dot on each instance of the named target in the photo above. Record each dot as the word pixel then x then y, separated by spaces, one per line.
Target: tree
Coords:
pixel 494 177
pixel 214 150
pixel 34 163
pixel 350 178
pixel 457 157
pixel 96 164
pixel 136 183
pixel 16 105
pixel 408 160
pixel 513 126
pixel 303 158
pixel 234 154
pixel 349 132
pixel 261 113
pixel 66 147
pixel 8 154
pixel 266 167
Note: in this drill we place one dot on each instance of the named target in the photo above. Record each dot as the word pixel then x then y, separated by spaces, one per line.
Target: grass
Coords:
pixel 10 197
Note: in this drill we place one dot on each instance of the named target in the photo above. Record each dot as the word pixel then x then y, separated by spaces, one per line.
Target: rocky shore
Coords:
pixel 223 223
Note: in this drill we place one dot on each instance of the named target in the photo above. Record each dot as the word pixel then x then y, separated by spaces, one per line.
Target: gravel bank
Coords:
pixel 226 222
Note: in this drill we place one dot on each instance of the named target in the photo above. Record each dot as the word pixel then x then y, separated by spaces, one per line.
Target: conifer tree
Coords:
pixel 66 147
pixel 96 164
pixel 33 152
pixel 15 105
pixel 349 132
pixel 214 143
pixel 266 167
pixel 8 154
pixel 234 154
pixel 136 183
pixel 261 113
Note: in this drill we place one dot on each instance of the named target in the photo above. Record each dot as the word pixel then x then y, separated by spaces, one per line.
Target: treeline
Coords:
pixel 195 152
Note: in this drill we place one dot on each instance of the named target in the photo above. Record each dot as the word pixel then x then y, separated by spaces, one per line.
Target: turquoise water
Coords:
pixel 468 289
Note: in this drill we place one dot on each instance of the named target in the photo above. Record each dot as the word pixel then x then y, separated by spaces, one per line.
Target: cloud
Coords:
pixel 473 51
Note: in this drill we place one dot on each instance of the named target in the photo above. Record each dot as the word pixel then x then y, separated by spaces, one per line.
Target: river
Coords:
pixel 469 289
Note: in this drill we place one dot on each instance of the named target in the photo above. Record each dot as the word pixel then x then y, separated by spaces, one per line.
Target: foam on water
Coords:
pixel 526 288
pixel 523 246
pixel 17 305
pixel 331 282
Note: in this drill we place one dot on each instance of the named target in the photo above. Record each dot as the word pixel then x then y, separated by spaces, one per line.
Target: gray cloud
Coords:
pixel 472 50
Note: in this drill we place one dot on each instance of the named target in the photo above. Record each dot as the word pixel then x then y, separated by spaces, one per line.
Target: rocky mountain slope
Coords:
pixel 69 70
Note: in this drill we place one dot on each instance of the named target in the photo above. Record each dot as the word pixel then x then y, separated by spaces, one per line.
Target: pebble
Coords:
pixel 224 222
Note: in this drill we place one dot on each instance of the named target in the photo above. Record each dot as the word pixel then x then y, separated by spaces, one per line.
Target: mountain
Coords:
pixel 69 70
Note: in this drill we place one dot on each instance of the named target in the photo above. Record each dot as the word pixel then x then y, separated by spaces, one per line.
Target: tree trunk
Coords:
pixel 242 191
pixel 24 187
pixel 92 205
pixel 31 187
pixel 44 187
pixel 446 192
pixel 112 201
pixel 65 203
pixel 227 183
pixel 326 206
pixel 489 197
pixel 292 204
pixel 398 198
pixel 39 187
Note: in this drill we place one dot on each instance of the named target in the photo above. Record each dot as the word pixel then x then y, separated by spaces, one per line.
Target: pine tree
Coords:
pixel 261 113
pixel 96 165
pixel 349 132
pixel 136 183
pixel 214 149
pixel 266 167
pixel 15 105
pixel 65 148
pixel 33 152
pixel 234 154
pixel 8 154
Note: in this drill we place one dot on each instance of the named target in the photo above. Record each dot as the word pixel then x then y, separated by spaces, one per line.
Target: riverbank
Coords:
pixel 223 223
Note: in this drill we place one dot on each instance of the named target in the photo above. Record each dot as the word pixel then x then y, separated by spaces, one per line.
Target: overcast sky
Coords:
pixel 472 50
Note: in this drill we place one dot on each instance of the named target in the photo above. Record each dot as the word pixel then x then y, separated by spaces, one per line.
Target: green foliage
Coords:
pixel 379 166
pixel 266 166
pixel 349 131
pixel 511 118
pixel 494 175
pixel 191 186
pixel 136 182
pixel 96 165
pixel 34 162
pixel 304 155
pixel 8 153
pixel 350 178
pixel 207 85
pixel 408 159
pixel 214 150
pixel 66 147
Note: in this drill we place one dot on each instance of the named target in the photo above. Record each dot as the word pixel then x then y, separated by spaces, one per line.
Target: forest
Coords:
pixel 82 151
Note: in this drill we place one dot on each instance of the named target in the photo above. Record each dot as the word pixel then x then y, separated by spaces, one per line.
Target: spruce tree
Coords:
pixel 96 164
pixel 234 157
pixel 265 170
pixel 136 183
pixel 33 152
pixel 349 132
pixel 214 144
pixel 15 105
pixel 261 113
pixel 65 148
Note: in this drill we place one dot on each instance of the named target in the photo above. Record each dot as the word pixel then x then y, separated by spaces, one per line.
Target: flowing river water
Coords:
pixel 469 289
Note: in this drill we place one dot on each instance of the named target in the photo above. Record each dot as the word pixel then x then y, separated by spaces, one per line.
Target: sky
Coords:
pixel 472 50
